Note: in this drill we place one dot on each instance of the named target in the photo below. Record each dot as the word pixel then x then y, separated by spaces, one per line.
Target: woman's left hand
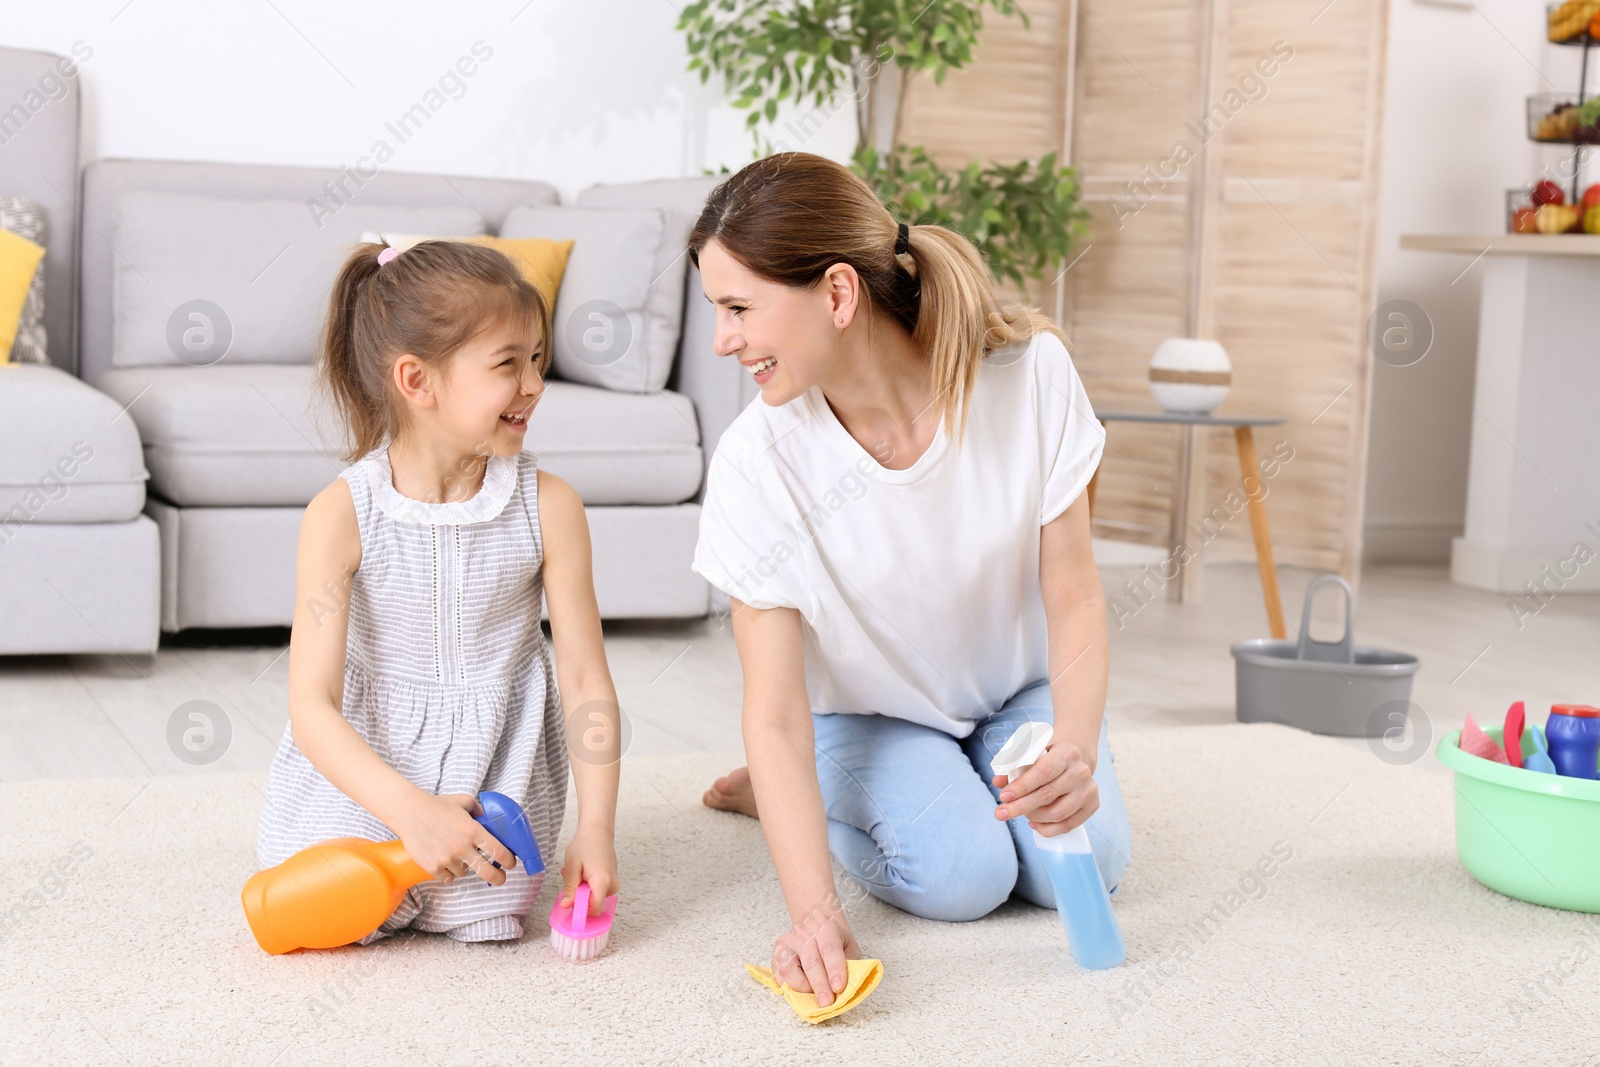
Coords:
pixel 1058 793
pixel 592 858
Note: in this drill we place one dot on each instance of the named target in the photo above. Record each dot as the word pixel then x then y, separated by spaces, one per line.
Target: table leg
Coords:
pixel 1186 587
pixel 1245 439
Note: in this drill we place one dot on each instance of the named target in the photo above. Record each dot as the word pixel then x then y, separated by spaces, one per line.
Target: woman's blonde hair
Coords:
pixel 791 216
pixel 429 301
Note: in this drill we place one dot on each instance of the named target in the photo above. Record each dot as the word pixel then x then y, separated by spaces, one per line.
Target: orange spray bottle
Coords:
pixel 339 891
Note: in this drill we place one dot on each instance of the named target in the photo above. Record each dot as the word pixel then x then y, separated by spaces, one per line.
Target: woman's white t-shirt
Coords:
pixel 919 587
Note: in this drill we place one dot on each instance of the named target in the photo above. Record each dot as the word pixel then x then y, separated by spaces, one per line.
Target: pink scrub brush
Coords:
pixel 574 933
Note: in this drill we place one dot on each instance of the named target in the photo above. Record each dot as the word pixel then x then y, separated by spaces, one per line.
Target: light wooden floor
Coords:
pixel 679 683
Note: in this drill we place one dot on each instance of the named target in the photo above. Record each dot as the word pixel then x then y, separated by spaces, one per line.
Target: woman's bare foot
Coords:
pixel 733 792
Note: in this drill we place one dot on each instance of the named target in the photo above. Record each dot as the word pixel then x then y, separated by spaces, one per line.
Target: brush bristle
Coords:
pixel 576 948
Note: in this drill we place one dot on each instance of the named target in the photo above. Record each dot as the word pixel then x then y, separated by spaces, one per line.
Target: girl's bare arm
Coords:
pixel 588 696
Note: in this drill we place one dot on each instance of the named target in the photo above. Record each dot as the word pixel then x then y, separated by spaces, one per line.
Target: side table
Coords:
pixel 1185 586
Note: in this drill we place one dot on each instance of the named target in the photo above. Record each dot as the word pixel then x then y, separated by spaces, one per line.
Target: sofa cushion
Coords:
pixel 620 308
pixel 19 267
pixel 541 261
pixel 200 278
pixel 235 435
pixel 27 219
pixel 67 453
pixel 686 196
pixel 618 448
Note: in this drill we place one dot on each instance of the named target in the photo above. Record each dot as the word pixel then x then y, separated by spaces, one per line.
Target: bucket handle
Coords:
pixel 1341 651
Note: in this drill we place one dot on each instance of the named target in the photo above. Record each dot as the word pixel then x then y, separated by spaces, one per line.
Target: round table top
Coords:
pixel 1189 418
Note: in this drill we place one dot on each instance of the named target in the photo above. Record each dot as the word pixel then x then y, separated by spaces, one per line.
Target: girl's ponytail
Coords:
pixel 340 375
pixel 791 216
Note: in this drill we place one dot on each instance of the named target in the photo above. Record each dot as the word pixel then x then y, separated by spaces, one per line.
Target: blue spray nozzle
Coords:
pixel 505 819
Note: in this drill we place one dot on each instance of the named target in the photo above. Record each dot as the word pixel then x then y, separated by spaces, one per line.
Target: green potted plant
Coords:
pixel 1024 217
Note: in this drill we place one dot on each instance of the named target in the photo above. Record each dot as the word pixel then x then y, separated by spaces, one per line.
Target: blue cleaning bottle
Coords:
pixel 1573 734
pixel 1093 933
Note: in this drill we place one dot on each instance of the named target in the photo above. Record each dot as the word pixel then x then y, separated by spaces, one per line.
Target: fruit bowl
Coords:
pixel 1543 208
pixel 1553 119
pixel 1569 22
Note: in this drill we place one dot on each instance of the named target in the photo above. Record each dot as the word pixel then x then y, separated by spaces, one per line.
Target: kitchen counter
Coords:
pixel 1506 244
pixel 1533 482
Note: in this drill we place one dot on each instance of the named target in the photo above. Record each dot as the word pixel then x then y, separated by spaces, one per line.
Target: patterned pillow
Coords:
pixel 25 218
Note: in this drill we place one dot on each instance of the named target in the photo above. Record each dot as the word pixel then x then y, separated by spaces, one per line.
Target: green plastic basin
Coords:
pixel 1528 835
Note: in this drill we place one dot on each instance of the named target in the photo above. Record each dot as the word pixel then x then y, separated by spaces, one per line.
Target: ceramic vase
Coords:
pixel 1190 375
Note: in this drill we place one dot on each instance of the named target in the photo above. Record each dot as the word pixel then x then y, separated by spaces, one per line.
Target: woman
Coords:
pixel 909 584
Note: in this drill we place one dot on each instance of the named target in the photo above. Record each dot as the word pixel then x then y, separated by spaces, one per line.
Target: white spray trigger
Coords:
pixel 1022 750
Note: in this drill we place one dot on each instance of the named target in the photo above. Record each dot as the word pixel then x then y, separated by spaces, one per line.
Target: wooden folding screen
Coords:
pixel 1229 152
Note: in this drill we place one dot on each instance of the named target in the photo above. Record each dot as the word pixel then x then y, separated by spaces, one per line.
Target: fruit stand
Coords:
pixel 1559 118
pixel 1533 487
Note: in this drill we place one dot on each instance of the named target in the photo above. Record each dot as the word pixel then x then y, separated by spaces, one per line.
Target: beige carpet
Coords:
pixel 1370 945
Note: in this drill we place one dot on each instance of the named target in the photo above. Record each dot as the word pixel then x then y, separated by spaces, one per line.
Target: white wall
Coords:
pixel 578 91
pixel 1455 140
pixel 574 92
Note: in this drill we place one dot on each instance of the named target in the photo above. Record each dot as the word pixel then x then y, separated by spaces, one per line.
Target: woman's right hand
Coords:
pixel 810 956
pixel 442 837
pixel 781 745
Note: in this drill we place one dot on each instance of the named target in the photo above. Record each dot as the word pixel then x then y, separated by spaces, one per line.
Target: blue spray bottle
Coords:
pixel 1081 898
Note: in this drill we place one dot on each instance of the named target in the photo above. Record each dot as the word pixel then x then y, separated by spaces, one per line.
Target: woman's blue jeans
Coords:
pixel 911 812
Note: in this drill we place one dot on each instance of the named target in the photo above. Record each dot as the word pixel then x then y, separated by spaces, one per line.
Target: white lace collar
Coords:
pixel 499 479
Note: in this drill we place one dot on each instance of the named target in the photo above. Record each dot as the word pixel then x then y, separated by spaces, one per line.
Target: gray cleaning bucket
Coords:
pixel 1338 688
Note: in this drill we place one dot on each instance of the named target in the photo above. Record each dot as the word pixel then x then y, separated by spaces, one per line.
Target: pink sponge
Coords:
pixel 1475 742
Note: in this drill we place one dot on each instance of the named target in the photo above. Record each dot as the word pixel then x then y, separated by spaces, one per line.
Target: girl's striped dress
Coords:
pixel 448 677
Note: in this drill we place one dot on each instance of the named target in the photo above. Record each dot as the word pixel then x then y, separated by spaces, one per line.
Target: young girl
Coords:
pixel 418 672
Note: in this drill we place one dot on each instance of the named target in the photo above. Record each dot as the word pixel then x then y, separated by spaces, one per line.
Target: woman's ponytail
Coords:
pixel 960 317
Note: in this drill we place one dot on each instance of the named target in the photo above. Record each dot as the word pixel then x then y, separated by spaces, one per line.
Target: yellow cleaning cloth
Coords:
pixel 861 979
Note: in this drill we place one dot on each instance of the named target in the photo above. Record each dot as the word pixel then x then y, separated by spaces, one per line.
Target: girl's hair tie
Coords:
pixel 387 254
pixel 902 241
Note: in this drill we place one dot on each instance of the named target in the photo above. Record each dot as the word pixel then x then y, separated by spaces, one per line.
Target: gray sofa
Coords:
pixel 234 444
pixel 79 561
pixel 200 290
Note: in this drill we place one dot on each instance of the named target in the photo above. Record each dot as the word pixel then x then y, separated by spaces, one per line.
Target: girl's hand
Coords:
pixel 1058 793
pixel 591 857
pixel 443 839
pixel 810 956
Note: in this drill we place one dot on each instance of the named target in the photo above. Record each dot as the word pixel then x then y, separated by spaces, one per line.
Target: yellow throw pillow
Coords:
pixel 541 260
pixel 19 258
